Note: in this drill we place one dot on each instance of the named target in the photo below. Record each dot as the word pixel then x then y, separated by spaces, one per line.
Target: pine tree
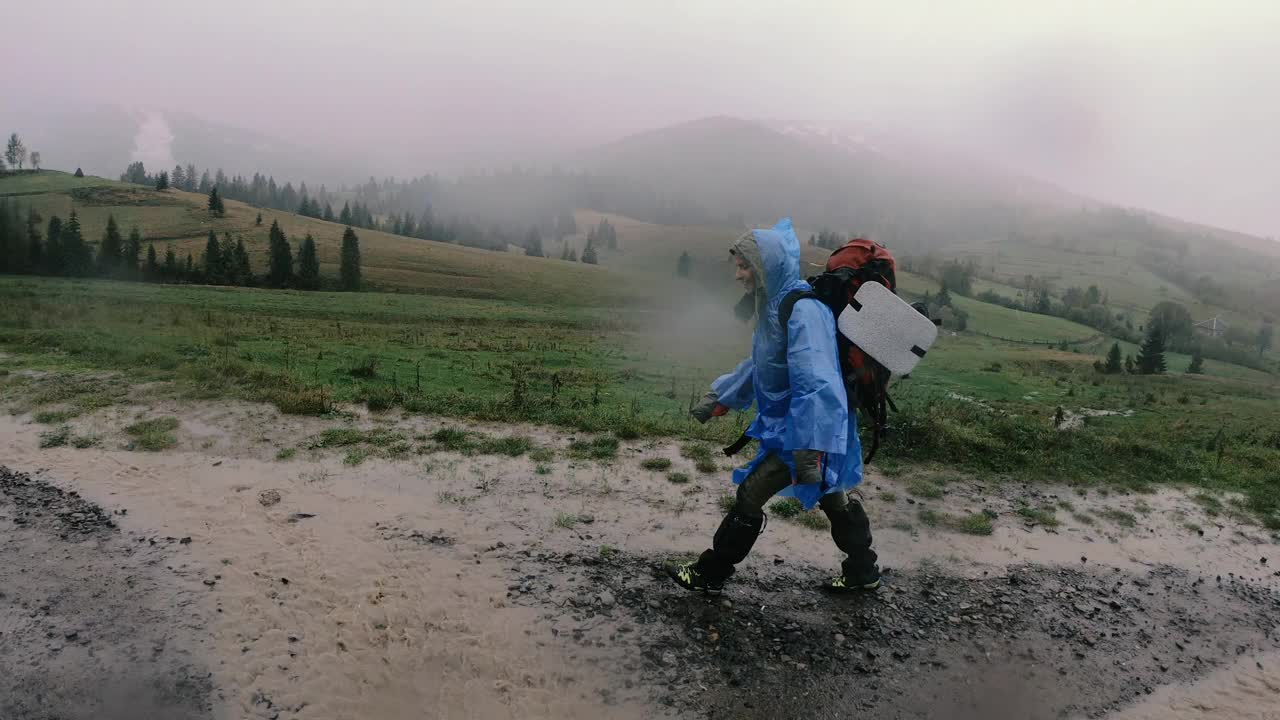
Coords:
pixel 110 250
pixel 1151 355
pixel 328 213
pixel 349 270
pixel 55 258
pixel 216 207
pixel 178 177
pixel 132 254
pixel 1196 366
pixel 1114 364
pixel 684 265
pixel 191 178
pixel 79 173
pixel 230 269
pixel 258 222
pixel 533 243
pixel 152 272
pixel 35 248
pixel 573 255
pixel 162 180
pixel 344 217
pixel 589 254
pixel 189 273
pixel 308 265
pixel 170 265
pixel 280 273
pixel 244 272
pixel 211 261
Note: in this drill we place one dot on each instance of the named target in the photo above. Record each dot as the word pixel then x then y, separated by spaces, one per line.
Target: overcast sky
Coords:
pixel 1167 105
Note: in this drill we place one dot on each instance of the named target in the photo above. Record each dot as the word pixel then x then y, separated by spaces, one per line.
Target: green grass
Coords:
pixel 286 453
pixel 1084 518
pixel 924 488
pixel 678 478
pixel 57 437
pixel 790 509
pixel 512 351
pixel 599 448
pixel 1119 517
pixel 887 496
pixel 979 523
pixel 657 464
pixel 566 521
pixel 54 417
pixel 541 469
pixel 154 434
pixel 1042 515
pixel 542 455
pixel 786 508
pixel 725 502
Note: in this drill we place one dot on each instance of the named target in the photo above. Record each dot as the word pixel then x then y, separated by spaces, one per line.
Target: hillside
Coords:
pixel 389 261
pixel 731 172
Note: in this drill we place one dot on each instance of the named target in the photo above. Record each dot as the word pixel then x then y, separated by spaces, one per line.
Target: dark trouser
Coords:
pixel 850 527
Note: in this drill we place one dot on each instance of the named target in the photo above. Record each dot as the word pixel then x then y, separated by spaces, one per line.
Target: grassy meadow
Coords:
pixel 618 349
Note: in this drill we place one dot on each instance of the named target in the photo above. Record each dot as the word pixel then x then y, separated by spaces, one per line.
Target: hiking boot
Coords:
pixel 868 579
pixel 689 577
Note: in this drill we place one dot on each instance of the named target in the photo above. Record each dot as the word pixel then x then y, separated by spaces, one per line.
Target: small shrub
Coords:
pixel 382 398
pixel 601 448
pixel 452 438
pixel 1084 518
pixel 920 487
pixel 542 455
pixel 696 451
pixel 1120 517
pixel 83 441
pixel 542 469
pixel 678 478
pixel 656 464
pixel 1043 515
pixel 904 526
pixel 512 446
pixel 786 507
pixel 338 437
pixel 974 524
pixel 706 465
pixel 55 438
pixel 726 501
pixel 1066 505
pixel 888 496
pixel 155 434
pixel 566 521
pixel 355 456
pixel 54 417
pixel 366 368
pixel 286 453
pixel 813 520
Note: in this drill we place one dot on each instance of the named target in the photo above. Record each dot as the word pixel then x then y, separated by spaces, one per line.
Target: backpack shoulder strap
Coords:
pixel 788 304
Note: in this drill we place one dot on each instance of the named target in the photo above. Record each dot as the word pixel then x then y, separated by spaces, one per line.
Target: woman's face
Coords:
pixel 742 273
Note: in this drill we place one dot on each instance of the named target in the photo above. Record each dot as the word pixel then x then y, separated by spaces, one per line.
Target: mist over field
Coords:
pixel 1140 104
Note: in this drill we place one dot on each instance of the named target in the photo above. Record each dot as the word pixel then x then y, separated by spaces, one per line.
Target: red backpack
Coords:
pixel 866 381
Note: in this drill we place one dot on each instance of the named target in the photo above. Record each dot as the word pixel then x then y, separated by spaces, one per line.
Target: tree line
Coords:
pixel 28 246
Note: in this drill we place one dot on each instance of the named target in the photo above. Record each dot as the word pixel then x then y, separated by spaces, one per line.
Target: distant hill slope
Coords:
pixel 391 262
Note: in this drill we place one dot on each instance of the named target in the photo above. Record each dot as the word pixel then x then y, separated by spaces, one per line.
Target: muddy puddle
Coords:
pixel 452 586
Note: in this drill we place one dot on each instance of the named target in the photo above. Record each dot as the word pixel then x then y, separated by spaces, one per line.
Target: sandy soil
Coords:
pixel 445 586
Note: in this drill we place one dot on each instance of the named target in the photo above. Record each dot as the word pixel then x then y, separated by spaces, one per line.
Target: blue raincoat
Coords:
pixel 794 380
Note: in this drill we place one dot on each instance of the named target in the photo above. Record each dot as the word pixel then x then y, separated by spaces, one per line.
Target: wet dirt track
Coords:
pixel 87 628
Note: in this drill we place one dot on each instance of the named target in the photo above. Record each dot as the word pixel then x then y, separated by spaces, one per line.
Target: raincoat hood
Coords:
pixel 793 375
